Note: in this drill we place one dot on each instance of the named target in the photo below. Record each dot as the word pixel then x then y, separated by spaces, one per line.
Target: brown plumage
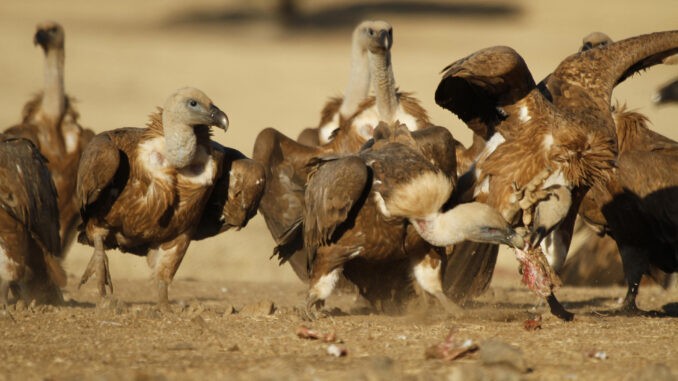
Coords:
pixel 636 208
pixel 29 225
pixel 356 106
pixel 150 191
pixel 374 207
pixel 569 143
pixel 285 160
pixel 50 121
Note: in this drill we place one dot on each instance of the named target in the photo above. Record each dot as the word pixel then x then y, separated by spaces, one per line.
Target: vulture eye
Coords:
pixel 192 103
pixel 370 31
pixel 53 29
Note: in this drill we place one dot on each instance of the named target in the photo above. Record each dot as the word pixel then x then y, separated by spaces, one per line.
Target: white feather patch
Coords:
pixel 428 276
pixel 9 269
pixel 324 286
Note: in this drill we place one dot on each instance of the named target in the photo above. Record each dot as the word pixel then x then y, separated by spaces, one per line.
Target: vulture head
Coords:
pixel 379 36
pixel 184 111
pixel 361 34
pixel 472 221
pixel 49 35
pixel 595 40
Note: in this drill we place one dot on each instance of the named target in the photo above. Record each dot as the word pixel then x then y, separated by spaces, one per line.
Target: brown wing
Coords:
pixel 335 188
pixel 98 165
pixel 438 145
pixel 236 194
pixel 27 191
pixel 473 87
pixel 584 81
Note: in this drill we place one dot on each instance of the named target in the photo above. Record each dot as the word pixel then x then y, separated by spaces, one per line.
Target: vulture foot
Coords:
pixel 558 310
pixel 528 196
pixel 163 298
pixel 310 310
pixel 98 265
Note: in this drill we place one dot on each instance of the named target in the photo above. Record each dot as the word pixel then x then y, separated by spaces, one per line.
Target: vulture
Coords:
pixel 150 191
pixel 356 106
pixel 29 225
pixel 547 144
pixel 285 159
pixel 666 94
pixel 384 204
pixel 50 121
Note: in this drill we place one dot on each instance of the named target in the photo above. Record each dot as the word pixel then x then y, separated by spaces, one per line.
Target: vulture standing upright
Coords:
pixel 380 205
pixel 29 225
pixel 50 121
pixel 150 191
pixel 285 160
pixel 562 132
pixel 356 106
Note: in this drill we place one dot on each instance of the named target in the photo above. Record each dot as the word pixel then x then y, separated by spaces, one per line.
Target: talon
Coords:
pixel 98 265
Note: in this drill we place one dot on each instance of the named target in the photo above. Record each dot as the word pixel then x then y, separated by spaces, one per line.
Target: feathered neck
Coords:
pixel 384 85
pixel 54 100
pixel 358 80
pixel 181 142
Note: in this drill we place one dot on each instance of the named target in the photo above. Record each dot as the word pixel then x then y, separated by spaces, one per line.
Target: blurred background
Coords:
pixel 274 63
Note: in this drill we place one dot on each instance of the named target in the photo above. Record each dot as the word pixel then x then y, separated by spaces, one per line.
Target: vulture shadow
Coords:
pixel 342 16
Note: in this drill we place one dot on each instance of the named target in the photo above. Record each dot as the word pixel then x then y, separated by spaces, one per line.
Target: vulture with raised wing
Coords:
pixel 50 121
pixel 547 145
pixel 150 191
pixel 29 225
pixel 285 160
pixel 383 204
pixel 356 106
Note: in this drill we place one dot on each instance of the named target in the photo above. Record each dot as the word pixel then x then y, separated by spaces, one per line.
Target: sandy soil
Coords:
pixel 125 57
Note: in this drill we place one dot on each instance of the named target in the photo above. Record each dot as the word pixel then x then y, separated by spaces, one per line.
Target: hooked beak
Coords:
pixel 219 118
pixel 385 39
pixel 509 237
pixel 40 38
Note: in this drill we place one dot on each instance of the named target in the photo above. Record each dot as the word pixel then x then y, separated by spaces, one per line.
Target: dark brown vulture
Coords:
pixel 562 132
pixel 375 206
pixel 150 191
pixel 356 106
pixel 285 160
pixel 50 121
pixel 29 225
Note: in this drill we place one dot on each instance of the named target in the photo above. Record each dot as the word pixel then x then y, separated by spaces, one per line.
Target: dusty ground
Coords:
pixel 124 57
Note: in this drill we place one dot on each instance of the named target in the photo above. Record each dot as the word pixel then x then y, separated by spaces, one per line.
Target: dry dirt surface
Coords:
pixel 122 60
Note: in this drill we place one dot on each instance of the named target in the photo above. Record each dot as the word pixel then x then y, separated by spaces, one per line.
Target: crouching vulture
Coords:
pixel 150 191
pixel 383 204
pixel 50 121
pixel 552 142
pixel 29 225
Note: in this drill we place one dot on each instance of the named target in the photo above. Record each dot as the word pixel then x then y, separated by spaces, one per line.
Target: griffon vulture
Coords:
pixel 150 191
pixel 29 225
pixel 50 121
pixel 561 131
pixel 356 106
pixel 375 206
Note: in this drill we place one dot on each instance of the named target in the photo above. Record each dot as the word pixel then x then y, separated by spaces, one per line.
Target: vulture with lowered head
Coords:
pixel 285 160
pixel 50 121
pixel 150 191
pixel 382 205
pixel 29 225
pixel 356 106
pixel 551 142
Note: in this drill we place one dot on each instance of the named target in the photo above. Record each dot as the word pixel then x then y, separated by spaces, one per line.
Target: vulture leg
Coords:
pixel 4 292
pixel 165 261
pixel 635 264
pixel 557 309
pixel 326 269
pixel 427 272
pixel 98 265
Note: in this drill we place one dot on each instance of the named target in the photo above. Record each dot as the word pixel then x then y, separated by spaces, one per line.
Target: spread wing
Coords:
pixel 27 192
pixel 475 86
pixel 332 193
pixel 584 81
